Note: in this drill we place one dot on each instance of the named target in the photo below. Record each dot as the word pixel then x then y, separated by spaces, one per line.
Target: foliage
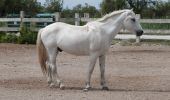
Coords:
pixel 86 9
pixel 91 10
pixel 67 13
pixel 26 37
pixel 2 24
pixel 138 5
pixel 54 5
pixel 132 42
pixel 156 42
pixel 8 38
pixel 11 38
pixel 108 6
pixel 81 9
pixel 162 9
pixel 31 7
pixel 162 26
pixel 147 8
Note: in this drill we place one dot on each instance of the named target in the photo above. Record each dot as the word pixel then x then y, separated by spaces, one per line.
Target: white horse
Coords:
pixel 92 39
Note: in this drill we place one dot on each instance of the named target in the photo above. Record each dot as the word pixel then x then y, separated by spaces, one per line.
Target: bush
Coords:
pixel 2 34
pixel 9 38
pixel 26 37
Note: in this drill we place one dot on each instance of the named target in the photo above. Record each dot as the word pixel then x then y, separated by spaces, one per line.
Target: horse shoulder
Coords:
pixel 99 41
pixel 95 38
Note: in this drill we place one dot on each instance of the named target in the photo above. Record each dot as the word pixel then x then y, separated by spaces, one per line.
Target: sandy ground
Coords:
pixel 132 72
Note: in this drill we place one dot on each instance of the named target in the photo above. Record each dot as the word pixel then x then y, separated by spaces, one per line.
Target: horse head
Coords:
pixel 131 23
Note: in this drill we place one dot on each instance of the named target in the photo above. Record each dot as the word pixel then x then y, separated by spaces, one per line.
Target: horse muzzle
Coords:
pixel 139 32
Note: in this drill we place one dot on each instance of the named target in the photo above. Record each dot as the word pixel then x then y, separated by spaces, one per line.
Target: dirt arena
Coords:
pixel 132 72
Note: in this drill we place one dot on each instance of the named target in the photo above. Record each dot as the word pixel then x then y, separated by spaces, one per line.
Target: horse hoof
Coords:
pixel 49 82
pixel 86 89
pixel 62 87
pixel 105 88
pixel 52 85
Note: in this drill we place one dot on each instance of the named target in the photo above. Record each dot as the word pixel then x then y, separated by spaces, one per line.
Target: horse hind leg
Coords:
pixel 55 73
pixel 53 69
pixel 49 77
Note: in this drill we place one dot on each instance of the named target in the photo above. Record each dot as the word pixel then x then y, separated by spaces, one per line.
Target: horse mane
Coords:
pixel 114 13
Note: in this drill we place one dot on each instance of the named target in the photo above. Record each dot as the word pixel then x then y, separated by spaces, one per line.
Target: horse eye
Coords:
pixel 133 19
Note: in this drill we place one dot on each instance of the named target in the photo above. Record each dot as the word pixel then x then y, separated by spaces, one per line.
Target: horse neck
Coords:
pixel 112 27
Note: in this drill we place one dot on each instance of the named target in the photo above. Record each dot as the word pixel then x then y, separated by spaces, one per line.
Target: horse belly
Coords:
pixel 75 46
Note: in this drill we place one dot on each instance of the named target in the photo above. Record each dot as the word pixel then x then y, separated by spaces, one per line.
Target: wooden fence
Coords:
pixel 18 22
pixel 77 22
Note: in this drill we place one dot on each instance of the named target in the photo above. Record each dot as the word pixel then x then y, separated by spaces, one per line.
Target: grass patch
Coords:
pixel 162 26
pixel 156 42
pixel 132 42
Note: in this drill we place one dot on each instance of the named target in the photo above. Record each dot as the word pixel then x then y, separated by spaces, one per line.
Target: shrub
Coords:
pixel 2 34
pixel 27 36
pixel 11 38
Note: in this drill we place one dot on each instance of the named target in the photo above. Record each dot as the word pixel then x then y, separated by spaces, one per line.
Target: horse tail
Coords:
pixel 42 54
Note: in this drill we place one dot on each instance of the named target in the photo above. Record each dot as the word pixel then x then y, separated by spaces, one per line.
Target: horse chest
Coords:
pixel 100 44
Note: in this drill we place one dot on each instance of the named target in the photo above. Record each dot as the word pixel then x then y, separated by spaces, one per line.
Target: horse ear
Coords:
pixel 128 13
pixel 132 9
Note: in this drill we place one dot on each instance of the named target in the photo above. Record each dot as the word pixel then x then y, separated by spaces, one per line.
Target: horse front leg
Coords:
pixel 92 63
pixel 102 70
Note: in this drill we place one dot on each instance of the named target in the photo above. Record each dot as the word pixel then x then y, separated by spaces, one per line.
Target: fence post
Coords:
pixel 57 17
pixel 138 37
pixel 86 15
pixel 77 19
pixel 22 18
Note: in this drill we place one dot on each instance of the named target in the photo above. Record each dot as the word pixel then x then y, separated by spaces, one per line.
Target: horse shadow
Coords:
pixel 41 84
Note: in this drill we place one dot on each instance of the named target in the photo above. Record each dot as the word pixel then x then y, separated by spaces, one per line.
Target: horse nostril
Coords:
pixel 139 32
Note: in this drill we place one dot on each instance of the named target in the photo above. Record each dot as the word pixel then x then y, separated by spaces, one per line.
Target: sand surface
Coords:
pixel 132 73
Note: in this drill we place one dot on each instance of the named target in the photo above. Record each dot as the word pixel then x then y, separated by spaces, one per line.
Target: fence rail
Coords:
pixel 19 21
pixel 26 20
pixel 155 20
pixel 9 29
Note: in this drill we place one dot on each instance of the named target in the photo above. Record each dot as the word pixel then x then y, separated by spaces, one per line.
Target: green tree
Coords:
pixel 93 12
pixel 108 6
pixel 67 13
pixel 54 5
pixel 31 7
pixel 150 8
pixel 162 9
pixel 77 9
pixel 138 5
